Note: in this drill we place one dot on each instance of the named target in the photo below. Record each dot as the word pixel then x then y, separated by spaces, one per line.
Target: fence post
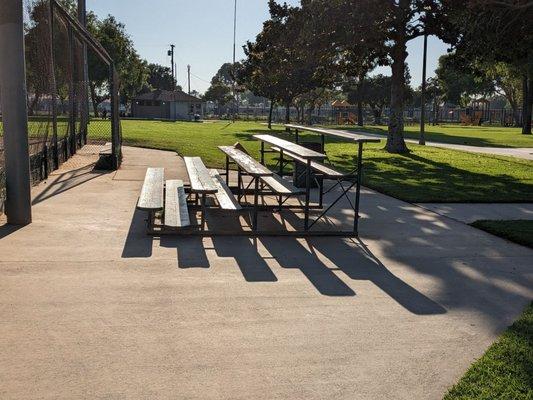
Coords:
pixel 14 109
pixel 53 89
pixel 72 95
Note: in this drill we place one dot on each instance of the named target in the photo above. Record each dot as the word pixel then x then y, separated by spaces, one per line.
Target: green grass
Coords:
pixel 518 231
pixel 427 174
pixel 505 371
pixel 485 136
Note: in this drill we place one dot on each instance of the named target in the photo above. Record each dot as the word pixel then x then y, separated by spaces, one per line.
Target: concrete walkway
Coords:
pixel 470 212
pixel 92 308
pixel 520 152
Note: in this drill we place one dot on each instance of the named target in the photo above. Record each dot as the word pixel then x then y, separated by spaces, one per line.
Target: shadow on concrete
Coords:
pixel 245 253
pixel 191 252
pixel 138 244
pixel 7 229
pixel 60 183
pixel 353 257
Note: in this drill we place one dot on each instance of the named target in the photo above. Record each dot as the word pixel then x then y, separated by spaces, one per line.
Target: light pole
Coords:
pixel 422 139
pixel 235 99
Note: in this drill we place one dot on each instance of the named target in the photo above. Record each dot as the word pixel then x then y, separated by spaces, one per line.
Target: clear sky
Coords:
pixel 202 31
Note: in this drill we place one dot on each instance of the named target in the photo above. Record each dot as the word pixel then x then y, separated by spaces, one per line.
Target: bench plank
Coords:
pixel 225 197
pixel 291 147
pixel 151 198
pixel 323 169
pixel 247 163
pixel 176 212
pixel 281 186
pixel 358 137
pixel 201 181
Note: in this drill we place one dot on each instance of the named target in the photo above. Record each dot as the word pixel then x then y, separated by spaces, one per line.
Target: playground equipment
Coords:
pixel 343 114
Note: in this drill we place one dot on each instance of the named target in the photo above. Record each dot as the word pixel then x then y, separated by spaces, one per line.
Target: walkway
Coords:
pixel 471 212
pixel 93 308
pixel 520 152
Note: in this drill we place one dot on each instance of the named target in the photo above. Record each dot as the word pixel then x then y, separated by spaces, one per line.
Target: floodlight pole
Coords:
pixel 422 139
pixel 14 113
pixel 235 101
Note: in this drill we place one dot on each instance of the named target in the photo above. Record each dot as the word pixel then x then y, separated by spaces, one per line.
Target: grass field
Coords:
pixel 485 136
pixel 427 174
pixel 505 371
pixel 518 231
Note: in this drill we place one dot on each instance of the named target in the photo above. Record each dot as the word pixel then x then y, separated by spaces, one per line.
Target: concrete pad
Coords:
pixel 91 307
pixel 470 212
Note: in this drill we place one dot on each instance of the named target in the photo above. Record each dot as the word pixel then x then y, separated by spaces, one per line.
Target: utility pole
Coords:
pixel 189 78
pixel 422 139
pixel 14 113
pixel 171 54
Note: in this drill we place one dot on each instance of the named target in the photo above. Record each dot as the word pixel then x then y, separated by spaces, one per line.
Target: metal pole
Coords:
pixel 236 110
pixel 422 139
pixel 172 63
pixel 358 187
pixel 84 84
pixel 189 79
pixel 14 113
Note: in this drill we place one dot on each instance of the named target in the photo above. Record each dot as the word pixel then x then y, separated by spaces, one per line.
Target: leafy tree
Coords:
pixel 492 31
pixel 218 93
pixel 459 81
pixel 131 69
pixel 160 77
pixel 379 31
pixel 375 92
pixel 283 62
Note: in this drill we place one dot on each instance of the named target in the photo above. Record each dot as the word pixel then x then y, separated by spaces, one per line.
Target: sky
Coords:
pixel 202 31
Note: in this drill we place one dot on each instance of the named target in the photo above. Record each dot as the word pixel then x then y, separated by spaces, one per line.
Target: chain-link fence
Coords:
pixel 72 93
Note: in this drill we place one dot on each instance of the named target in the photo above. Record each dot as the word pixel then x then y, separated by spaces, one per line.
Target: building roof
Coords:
pixel 167 95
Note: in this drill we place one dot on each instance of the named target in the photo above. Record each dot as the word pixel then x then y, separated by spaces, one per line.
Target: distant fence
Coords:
pixel 348 115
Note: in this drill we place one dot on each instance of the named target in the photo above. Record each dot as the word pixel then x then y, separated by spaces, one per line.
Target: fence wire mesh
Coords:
pixel 69 93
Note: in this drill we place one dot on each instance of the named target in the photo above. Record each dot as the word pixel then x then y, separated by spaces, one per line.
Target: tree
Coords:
pixel 375 92
pixel 379 31
pixel 496 31
pixel 132 71
pixel 459 81
pixel 218 93
pixel 283 62
pixel 160 78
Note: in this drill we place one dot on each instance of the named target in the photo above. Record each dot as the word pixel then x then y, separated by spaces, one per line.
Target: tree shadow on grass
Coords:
pixel 411 177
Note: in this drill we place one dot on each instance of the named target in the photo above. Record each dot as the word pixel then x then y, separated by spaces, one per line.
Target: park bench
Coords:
pixel 205 182
pixel 169 197
pixel 260 174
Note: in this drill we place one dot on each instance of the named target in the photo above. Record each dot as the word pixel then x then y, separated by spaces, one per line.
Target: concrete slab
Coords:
pixel 469 213
pixel 91 307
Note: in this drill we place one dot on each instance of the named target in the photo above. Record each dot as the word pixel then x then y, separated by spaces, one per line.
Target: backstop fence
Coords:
pixel 72 93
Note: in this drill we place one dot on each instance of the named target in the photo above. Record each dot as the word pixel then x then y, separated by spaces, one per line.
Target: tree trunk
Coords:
pixel 270 114
pixel 360 121
pixel 395 141
pixel 377 116
pixel 435 112
pixel 33 103
pixel 527 102
pixel 94 100
pixel 287 113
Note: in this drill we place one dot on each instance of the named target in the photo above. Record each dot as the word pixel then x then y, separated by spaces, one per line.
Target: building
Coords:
pixel 165 104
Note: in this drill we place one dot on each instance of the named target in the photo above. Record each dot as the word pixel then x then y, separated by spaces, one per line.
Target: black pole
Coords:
pixel 422 139
pixel 171 54
pixel 15 114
